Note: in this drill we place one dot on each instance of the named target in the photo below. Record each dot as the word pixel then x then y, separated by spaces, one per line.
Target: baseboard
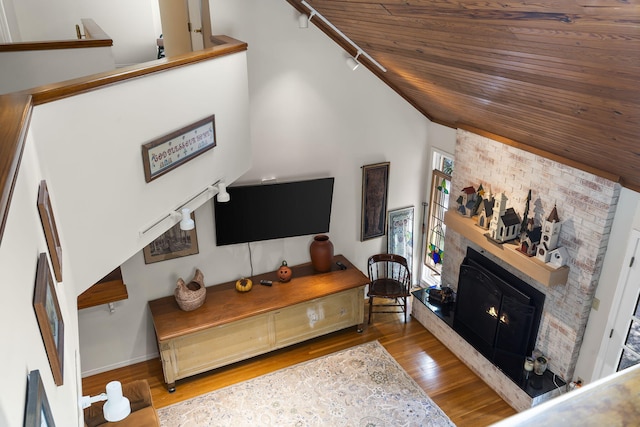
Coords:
pixel 120 365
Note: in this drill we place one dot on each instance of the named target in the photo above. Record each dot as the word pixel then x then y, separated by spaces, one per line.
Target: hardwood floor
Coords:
pixel 464 397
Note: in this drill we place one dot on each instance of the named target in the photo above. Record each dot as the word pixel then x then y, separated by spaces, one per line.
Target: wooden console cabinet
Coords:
pixel 232 326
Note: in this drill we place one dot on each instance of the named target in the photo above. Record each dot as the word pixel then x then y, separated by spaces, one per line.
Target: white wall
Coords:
pixel 32 68
pixel 94 168
pixel 23 348
pixel 132 25
pixel 627 217
pixel 310 117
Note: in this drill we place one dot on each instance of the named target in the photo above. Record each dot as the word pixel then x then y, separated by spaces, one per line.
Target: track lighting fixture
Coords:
pixel 223 196
pixel 313 12
pixel 303 19
pixel 352 62
pixel 186 223
pixel 182 214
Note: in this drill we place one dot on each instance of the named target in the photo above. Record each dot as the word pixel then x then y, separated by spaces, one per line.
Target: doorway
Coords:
pixel 182 26
pixel 623 346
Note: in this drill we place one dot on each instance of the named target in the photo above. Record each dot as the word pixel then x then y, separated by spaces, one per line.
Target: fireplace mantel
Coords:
pixel 532 267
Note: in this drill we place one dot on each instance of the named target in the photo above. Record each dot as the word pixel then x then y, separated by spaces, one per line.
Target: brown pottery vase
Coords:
pixel 321 251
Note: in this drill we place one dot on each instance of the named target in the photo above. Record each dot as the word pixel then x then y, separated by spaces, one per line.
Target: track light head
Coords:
pixel 353 63
pixel 303 21
pixel 186 223
pixel 223 196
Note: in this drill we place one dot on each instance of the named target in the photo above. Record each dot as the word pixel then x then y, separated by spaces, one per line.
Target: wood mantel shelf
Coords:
pixel 109 289
pixel 532 267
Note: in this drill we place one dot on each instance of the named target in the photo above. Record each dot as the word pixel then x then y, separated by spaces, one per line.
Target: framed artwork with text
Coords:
pixel 176 148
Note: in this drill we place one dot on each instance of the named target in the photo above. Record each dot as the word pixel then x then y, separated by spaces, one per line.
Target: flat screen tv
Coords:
pixel 274 211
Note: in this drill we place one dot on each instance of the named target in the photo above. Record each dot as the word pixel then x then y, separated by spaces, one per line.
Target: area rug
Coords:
pixel 359 386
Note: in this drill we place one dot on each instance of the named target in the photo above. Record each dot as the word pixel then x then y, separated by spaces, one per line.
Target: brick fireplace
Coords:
pixel 586 205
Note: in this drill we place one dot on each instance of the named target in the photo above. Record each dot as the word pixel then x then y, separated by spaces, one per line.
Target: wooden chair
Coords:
pixel 390 279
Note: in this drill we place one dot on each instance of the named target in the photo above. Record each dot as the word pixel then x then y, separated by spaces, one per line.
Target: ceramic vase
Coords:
pixel 321 251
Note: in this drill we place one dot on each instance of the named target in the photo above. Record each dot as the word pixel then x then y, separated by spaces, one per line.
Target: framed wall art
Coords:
pixel 37 411
pixel 45 304
pixel 174 149
pixel 375 183
pixel 50 229
pixel 400 235
pixel 173 243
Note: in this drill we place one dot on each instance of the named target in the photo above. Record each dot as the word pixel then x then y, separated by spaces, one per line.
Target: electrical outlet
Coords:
pixel 595 304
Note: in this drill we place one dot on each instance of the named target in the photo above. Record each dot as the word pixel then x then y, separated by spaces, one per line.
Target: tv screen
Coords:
pixel 274 211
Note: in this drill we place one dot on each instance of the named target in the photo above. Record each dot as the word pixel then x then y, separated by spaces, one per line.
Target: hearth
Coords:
pixel 497 313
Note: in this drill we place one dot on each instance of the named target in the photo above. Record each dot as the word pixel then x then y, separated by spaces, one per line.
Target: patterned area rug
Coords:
pixel 360 386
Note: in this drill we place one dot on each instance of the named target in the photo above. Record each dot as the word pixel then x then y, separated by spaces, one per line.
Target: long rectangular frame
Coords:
pixel 49 317
pixel 50 229
pixel 401 226
pixel 161 155
pixel 375 188
pixel 37 409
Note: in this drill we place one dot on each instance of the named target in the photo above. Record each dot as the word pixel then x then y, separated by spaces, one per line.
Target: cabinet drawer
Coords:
pixel 317 317
pixel 202 351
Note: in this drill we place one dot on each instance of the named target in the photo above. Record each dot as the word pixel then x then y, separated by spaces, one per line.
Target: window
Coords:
pixel 435 229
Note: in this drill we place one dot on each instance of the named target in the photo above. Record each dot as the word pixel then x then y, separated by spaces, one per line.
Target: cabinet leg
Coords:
pixel 171 387
pixel 360 328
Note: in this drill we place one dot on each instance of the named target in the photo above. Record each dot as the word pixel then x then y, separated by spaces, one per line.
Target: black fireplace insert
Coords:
pixel 496 312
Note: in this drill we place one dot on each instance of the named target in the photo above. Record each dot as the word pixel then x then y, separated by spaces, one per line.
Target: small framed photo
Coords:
pixel 45 304
pixel 400 235
pixel 173 243
pixel 50 229
pixel 375 183
pixel 174 149
pixel 37 411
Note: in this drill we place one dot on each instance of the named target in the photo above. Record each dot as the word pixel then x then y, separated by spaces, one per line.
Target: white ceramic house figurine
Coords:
pixel 485 212
pixel 558 257
pixel 550 234
pixel 505 223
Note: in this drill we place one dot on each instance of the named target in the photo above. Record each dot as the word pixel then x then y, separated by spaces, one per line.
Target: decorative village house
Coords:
pixel 467 201
pixel 558 257
pixel 550 233
pixel 505 223
pixel 531 238
pixel 485 211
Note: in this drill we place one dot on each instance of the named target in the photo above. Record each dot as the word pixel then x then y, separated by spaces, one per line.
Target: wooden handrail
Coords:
pixel 95 37
pixel 15 108
pixel 15 113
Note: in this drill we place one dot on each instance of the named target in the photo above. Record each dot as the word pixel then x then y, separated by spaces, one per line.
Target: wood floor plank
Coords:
pixel 463 396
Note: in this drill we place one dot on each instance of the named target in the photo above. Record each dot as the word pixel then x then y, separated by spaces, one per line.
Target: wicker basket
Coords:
pixel 192 295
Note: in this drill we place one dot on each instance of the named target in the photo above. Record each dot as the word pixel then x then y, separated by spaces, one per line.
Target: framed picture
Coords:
pixel 50 229
pixel 375 183
pixel 172 150
pixel 37 411
pixel 174 243
pixel 400 236
pixel 45 304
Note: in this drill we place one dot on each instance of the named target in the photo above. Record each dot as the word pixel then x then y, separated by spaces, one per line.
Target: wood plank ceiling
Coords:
pixel 561 76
